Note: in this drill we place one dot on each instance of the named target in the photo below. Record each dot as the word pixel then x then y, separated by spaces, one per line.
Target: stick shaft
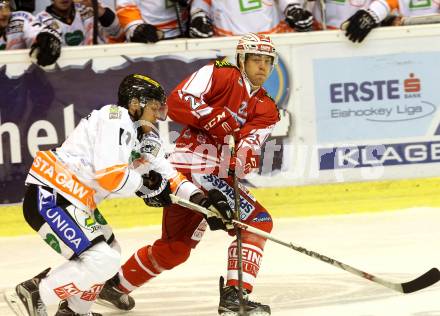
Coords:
pixel 242 310
pixel 427 279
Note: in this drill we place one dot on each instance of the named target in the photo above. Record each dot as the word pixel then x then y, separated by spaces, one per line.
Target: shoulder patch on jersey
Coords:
pixel 114 113
pixel 15 26
pixel 150 146
pixel 224 63
pixel 23 15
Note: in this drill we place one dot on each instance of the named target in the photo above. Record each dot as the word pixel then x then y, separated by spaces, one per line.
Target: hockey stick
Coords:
pixel 427 279
pixel 323 14
pixel 95 21
pixel 179 18
pixel 242 310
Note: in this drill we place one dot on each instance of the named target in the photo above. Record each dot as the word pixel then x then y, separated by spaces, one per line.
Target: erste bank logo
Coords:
pixel 390 100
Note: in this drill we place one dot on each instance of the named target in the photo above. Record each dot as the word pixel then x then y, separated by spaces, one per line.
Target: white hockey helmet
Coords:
pixel 252 43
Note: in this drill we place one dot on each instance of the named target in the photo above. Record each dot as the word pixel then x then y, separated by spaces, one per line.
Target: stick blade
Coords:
pixel 429 278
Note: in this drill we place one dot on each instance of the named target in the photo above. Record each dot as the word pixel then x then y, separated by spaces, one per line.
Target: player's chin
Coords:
pixel 258 81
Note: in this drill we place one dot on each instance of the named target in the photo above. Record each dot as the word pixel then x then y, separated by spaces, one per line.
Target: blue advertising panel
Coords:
pixel 375 97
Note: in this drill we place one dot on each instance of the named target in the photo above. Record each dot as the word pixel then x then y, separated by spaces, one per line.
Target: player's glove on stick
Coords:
pixel 46 49
pixel 299 19
pixel 201 25
pixel 145 33
pixel 359 25
pixel 216 202
pixel 155 190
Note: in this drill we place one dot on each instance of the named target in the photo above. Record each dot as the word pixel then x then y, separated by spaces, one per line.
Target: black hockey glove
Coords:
pixel 218 204
pixel 182 3
pixel 145 33
pixel 46 49
pixel 359 25
pixel 155 190
pixel 200 26
pixel 299 19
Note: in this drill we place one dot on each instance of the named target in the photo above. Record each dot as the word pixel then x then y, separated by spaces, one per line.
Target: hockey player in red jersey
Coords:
pixel 217 101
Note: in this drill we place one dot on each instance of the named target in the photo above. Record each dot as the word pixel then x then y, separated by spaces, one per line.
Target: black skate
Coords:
pixel 112 297
pixel 229 304
pixel 29 295
pixel 64 310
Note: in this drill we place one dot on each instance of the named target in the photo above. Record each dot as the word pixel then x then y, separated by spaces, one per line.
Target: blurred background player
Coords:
pixel 74 21
pixel 20 30
pixel 231 17
pixel 395 13
pixel 148 21
pixel 216 102
pixel 356 18
pixel 65 185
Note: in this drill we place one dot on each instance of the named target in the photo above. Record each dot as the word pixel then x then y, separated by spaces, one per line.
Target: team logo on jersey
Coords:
pixel 74 38
pixel 150 146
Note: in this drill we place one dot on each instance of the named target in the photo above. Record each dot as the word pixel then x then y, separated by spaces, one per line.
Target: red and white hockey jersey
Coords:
pixel 103 156
pixel 160 13
pixel 197 102
pixel 232 17
pixel 21 31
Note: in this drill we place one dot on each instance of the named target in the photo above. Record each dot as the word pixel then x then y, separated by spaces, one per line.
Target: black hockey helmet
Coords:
pixel 142 88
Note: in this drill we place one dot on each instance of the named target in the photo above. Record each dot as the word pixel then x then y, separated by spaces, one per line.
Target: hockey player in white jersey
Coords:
pixel 148 21
pixel 20 30
pixel 231 17
pixel 74 21
pixel 390 12
pixel 102 157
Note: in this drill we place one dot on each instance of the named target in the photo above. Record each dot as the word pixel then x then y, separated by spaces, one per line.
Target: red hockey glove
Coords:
pixel 219 124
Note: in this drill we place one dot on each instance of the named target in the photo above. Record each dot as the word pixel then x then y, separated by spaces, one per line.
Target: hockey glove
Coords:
pixel 155 190
pixel 359 25
pixel 201 25
pixel 220 123
pixel 145 33
pixel 221 215
pixel 299 19
pixel 46 49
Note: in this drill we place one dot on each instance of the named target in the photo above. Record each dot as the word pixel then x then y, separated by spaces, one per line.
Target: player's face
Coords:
pixel 5 13
pixel 152 113
pixel 258 68
pixel 62 5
